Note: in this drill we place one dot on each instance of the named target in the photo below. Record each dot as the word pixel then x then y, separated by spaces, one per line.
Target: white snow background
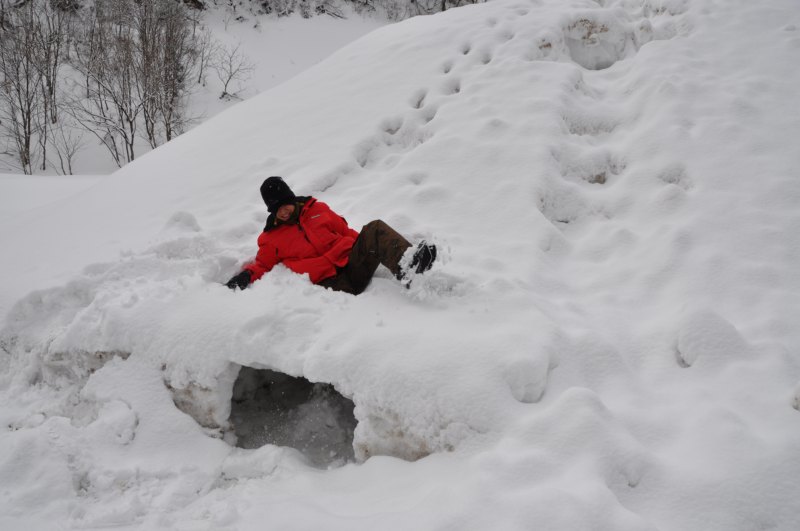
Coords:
pixel 608 342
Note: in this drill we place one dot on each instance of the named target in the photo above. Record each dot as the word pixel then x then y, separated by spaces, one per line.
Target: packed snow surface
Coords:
pixel 608 341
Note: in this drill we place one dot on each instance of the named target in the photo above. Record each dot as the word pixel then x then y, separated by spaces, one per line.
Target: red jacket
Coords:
pixel 317 244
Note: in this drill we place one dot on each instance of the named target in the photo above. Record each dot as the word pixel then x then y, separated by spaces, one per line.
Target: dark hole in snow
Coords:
pixel 270 407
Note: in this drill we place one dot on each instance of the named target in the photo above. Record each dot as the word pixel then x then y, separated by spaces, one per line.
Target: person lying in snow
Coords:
pixel 307 236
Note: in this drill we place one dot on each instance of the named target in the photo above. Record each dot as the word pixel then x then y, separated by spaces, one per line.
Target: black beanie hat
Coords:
pixel 276 193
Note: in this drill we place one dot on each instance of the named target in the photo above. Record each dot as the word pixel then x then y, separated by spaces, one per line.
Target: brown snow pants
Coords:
pixel 377 244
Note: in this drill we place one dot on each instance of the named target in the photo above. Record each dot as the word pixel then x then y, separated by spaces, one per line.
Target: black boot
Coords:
pixel 423 257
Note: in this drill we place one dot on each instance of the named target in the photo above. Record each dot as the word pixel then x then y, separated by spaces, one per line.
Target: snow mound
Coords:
pixel 608 341
pixel 707 336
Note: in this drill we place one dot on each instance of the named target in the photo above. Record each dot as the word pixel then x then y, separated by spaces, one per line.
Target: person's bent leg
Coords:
pixel 377 244
pixel 340 282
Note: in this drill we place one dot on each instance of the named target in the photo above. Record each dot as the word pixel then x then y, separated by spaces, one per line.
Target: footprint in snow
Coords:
pixel 418 99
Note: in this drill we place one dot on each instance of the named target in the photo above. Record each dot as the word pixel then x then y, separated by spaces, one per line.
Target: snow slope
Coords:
pixel 25 192
pixel 608 341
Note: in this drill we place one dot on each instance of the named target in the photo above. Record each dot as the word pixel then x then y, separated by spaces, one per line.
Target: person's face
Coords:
pixel 285 212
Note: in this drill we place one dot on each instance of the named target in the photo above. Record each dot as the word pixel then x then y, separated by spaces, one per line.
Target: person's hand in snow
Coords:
pixel 241 281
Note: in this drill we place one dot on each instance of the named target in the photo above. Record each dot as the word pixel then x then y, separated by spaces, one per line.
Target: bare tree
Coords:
pixel 179 58
pixel 68 141
pixel 112 68
pixel 166 57
pixel 51 29
pixel 112 105
pixel 232 68
pixel 150 43
pixel 328 7
pixel 5 13
pixel 20 82
pixel 207 50
pixel 90 109
pixel 138 57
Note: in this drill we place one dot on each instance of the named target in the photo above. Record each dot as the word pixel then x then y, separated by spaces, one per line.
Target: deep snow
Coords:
pixel 608 341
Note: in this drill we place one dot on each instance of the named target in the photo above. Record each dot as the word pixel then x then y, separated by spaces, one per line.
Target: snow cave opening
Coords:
pixel 270 407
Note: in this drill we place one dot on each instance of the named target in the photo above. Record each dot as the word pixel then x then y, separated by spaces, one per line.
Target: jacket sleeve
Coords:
pixel 340 252
pixel 266 259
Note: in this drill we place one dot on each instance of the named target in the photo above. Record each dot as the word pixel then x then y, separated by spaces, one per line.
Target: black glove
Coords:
pixel 241 281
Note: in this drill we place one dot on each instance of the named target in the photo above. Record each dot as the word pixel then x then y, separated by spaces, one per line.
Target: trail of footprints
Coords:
pixel 587 161
pixel 399 135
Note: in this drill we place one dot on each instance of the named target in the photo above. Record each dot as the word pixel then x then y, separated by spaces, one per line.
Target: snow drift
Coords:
pixel 608 341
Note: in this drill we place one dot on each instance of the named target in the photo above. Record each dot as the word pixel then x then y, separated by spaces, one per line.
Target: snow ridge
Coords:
pixel 605 343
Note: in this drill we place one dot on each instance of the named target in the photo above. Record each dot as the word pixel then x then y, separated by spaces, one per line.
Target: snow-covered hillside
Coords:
pixel 607 342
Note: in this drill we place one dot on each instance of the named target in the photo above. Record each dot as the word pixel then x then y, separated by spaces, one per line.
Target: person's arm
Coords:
pixel 340 252
pixel 265 260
